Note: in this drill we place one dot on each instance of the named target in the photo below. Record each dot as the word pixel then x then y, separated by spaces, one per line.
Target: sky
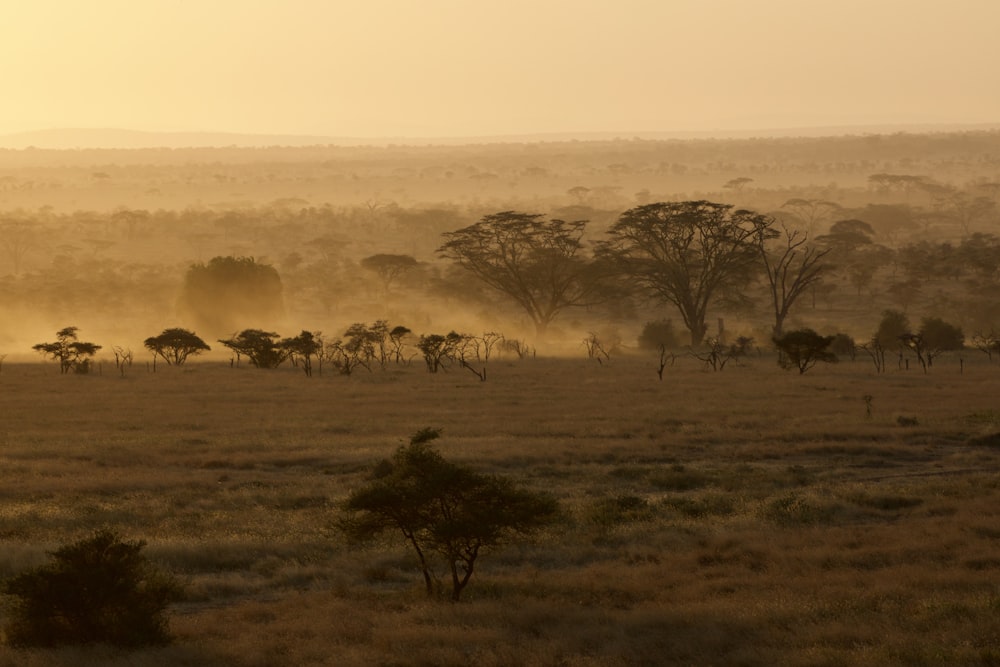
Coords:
pixel 468 68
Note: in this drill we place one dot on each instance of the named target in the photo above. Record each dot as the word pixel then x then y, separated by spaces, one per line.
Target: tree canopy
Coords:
pixel 71 353
pixel 260 347
pixel 442 508
pixel 537 263
pixel 176 345
pixel 229 291
pixel 804 348
pixel 688 253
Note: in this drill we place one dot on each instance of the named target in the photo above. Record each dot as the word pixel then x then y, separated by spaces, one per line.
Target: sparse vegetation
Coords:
pixel 746 517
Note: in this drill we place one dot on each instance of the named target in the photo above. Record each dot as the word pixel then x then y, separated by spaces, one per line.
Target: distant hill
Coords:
pixel 111 138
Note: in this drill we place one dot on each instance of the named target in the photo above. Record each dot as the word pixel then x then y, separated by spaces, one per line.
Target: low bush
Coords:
pixel 98 590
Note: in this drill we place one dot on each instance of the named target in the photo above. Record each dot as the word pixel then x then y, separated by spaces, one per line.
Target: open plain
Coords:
pixel 751 516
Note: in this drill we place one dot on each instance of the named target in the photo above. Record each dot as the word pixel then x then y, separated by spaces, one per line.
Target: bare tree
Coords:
pixel 791 269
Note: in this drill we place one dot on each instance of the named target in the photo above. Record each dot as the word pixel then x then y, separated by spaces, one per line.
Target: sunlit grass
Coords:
pixel 745 517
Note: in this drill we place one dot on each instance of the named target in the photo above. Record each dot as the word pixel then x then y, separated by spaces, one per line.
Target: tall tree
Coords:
pixel 229 291
pixel 688 253
pixel 537 263
pixel 791 268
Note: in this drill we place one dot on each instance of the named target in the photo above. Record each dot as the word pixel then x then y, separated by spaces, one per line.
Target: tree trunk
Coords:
pixel 698 332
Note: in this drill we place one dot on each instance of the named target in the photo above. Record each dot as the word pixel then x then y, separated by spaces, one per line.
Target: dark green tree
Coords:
pixel 229 291
pixel 538 264
pixel 71 353
pixel 175 345
pixel 804 348
pixel 442 509
pixel 688 253
pixel 100 589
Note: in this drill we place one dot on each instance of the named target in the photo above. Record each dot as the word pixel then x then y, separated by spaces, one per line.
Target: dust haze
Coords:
pixel 105 239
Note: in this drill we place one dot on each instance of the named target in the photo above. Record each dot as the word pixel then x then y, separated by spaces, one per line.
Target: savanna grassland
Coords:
pixel 751 516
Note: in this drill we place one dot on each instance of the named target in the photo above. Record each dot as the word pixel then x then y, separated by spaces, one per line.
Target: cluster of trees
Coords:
pixel 691 254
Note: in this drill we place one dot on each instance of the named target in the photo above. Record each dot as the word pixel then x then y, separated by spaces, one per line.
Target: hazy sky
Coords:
pixel 471 67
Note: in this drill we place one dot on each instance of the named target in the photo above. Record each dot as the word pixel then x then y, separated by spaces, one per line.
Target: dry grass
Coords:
pixel 748 517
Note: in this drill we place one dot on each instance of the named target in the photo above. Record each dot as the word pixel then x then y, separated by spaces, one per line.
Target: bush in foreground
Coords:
pixel 98 590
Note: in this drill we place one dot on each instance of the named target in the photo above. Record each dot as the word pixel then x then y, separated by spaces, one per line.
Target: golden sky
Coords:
pixel 446 68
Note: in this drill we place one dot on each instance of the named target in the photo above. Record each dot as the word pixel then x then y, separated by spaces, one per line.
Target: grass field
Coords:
pixel 749 517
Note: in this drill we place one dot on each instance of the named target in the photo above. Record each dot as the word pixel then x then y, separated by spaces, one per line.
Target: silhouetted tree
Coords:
pixel 442 508
pixel 536 263
pixel 791 268
pixel 260 347
pixel 388 268
pixel 939 336
pixel 803 348
pixel 687 253
pixel 302 349
pixel 71 353
pixel 176 345
pixel 228 291
pixel 438 350
pixel 891 328
pixel 846 235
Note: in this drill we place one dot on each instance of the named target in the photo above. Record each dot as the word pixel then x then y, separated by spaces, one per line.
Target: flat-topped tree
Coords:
pixel 688 253
pixel 260 347
pixel 175 345
pixel 537 263
pixel 71 353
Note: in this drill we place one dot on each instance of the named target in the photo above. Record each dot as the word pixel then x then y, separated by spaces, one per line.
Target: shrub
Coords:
pixel 655 334
pixel 99 589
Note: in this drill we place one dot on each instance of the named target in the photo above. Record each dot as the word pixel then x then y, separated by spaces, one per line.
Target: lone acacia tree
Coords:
pixel 537 263
pixel 443 509
pixel 175 345
pixel 71 353
pixel 687 253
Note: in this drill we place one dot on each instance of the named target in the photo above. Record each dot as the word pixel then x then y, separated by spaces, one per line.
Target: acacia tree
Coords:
pixel 388 268
pixel 71 353
pixel 804 348
pixel 260 347
pixel 791 269
pixel 175 345
pixel 536 263
pixel 442 509
pixel 303 348
pixel 687 253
